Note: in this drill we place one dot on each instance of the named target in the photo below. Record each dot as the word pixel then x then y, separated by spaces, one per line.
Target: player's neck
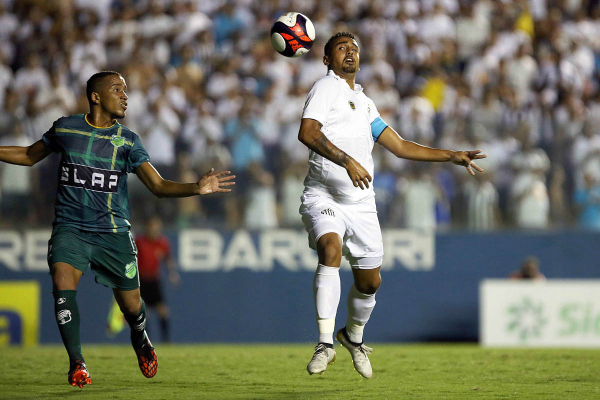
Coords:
pixel 350 82
pixel 349 78
pixel 99 119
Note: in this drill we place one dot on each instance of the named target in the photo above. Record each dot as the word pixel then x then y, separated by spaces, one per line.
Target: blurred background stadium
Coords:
pixel 517 79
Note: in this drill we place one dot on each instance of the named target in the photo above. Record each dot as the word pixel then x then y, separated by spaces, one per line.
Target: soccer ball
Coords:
pixel 293 34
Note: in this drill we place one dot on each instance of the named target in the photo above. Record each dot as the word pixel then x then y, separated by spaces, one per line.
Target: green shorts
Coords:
pixel 112 256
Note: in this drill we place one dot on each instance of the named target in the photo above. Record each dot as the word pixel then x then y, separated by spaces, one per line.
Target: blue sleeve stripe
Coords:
pixel 377 126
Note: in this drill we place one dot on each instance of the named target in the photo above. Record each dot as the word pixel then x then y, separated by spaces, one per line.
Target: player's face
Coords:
pixel 113 97
pixel 345 56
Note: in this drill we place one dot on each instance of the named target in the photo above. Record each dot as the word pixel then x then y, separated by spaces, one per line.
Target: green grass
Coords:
pixel 279 372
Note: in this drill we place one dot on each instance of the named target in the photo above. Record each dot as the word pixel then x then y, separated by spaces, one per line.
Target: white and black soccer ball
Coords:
pixel 293 34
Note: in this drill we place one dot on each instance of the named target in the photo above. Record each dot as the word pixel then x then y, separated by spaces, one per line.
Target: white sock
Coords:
pixel 326 290
pixel 360 306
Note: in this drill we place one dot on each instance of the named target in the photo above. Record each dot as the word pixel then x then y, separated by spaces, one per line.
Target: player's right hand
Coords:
pixel 359 176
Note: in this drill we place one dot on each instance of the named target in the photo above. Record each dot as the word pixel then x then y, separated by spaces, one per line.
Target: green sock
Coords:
pixel 137 323
pixel 67 318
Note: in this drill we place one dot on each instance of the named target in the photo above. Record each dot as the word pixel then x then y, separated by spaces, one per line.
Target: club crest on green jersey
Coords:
pixel 131 269
pixel 117 141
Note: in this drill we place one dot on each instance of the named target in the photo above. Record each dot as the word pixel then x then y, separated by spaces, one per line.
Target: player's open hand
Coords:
pixel 465 158
pixel 360 177
pixel 213 183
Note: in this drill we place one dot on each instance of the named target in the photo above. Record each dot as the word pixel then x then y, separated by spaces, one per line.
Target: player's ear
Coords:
pixel 95 98
pixel 326 60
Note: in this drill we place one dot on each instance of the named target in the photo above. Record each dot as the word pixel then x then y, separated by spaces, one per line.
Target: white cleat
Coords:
pixel 361 362
pixel 323 357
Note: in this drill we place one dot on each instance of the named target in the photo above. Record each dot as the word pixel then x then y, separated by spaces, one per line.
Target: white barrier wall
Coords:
pixel 554 313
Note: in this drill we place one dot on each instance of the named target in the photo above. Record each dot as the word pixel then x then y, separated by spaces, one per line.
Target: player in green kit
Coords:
pixel 91 226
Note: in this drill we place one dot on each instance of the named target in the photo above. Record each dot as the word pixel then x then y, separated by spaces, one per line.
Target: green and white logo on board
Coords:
pixel 527 319
pixel 131 269
pixel 117 141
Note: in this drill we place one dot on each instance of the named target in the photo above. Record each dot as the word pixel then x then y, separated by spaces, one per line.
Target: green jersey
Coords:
pixel 92 180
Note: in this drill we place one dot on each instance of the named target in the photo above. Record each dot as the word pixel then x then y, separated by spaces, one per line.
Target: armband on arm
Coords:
pixel 377 126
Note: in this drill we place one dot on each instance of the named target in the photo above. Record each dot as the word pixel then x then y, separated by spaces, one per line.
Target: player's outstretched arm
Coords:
pixel 401 148
pixel 27 156
pixel 209 183
pixel 311 136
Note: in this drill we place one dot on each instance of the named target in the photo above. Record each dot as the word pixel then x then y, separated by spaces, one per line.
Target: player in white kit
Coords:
pixel 340 126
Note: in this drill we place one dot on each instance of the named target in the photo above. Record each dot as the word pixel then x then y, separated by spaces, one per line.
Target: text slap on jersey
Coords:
pixel 90 178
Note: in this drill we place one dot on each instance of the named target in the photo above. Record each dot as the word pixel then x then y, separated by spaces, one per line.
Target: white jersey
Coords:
pixel 346 116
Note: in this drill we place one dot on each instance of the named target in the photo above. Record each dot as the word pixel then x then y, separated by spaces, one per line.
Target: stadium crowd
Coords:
pixel 517 79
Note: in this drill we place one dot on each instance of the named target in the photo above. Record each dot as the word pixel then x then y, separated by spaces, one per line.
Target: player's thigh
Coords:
pixel 321 217
pixel 365 242
pixel 69 255
pixel 114 261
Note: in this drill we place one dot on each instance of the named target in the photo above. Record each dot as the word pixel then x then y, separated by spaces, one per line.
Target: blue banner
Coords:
pixel 257 286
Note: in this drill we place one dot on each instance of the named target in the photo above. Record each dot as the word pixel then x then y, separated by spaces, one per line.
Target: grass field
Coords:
pixel 278 372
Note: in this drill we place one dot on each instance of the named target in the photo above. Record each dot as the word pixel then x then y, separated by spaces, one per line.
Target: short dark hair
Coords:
pixel 329 44
pixel 94 84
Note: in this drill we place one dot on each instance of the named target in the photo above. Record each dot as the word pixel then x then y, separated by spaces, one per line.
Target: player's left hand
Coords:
pixel 213 183
pixel 465 158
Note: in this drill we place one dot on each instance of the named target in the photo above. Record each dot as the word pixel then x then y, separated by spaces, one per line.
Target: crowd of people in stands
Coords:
pixel 518 79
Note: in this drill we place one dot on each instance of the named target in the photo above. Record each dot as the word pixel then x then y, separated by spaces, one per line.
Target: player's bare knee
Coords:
pixel 368 286
pixel 131 309
pixel 64 277
pixel 131 306
pixel 332 256
pixel 329 250
pixel 60 281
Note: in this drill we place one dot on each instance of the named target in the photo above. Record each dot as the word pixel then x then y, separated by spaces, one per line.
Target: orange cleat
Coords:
pixel 79 375
pixel 147 359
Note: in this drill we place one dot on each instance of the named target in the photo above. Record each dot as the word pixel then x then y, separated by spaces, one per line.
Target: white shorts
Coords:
pixel 357 224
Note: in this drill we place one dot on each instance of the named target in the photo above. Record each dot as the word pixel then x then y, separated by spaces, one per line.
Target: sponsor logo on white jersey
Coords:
pixel 328 211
